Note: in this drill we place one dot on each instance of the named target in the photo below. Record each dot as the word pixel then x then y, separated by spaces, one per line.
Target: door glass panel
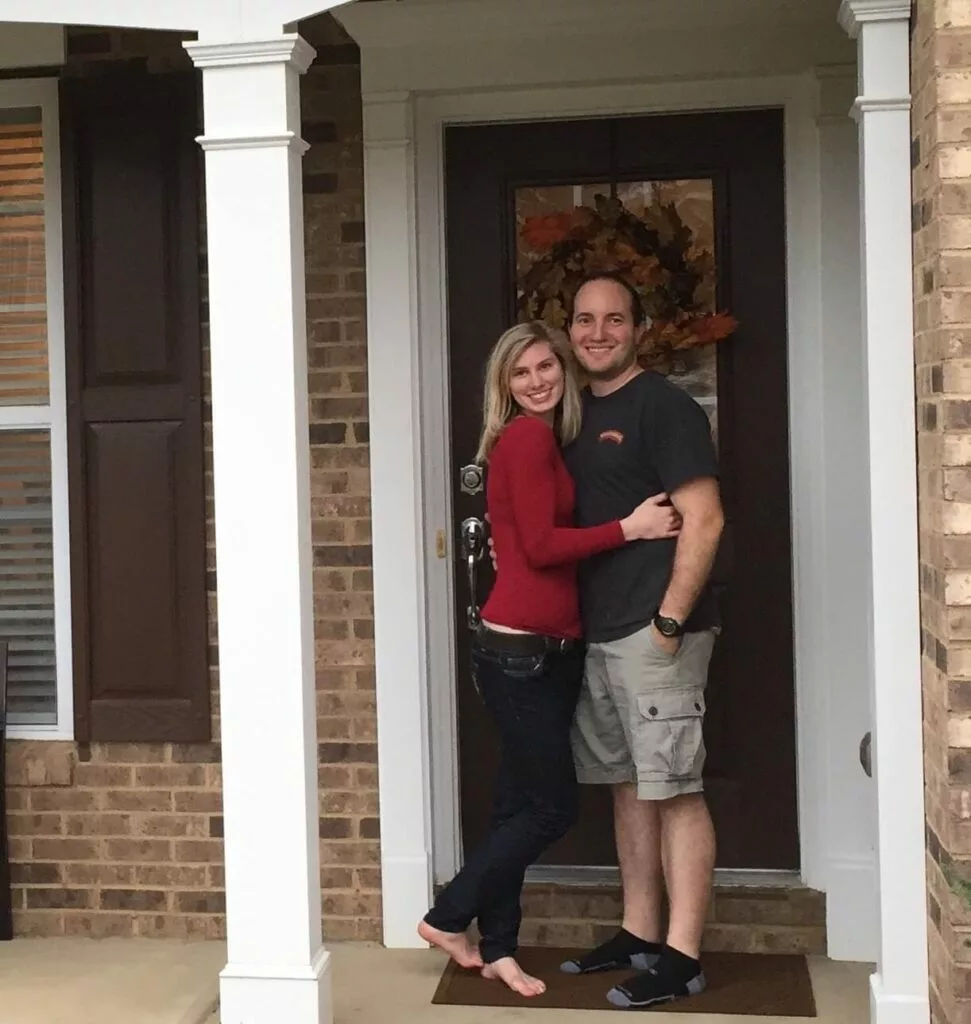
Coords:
pixel 660 235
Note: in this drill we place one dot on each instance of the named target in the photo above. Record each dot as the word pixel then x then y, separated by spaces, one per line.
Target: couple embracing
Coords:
pixel 592 653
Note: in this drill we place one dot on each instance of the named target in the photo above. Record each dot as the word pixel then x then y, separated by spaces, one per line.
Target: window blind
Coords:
pixel 26 539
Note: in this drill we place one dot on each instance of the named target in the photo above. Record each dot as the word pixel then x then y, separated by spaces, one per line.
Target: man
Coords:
pixel 650 624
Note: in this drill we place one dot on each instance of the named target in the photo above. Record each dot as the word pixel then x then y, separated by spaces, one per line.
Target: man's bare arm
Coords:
pixel 699 505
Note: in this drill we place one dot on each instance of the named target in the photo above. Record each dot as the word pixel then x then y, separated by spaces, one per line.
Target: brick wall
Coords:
pixel 942 257
pixel 125 839
pixel 340 486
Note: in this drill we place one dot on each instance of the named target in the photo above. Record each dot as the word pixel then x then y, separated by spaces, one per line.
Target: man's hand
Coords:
pixel 669 645
pixel 652 519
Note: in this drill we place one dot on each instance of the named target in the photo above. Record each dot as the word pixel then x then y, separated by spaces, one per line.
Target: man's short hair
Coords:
pixel 636 302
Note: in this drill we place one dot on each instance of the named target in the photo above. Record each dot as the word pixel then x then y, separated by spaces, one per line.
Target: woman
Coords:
pixel 527 654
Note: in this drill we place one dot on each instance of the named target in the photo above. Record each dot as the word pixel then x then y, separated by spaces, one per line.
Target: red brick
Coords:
pixel 138 849
pixel 35 824
pixel 198 850
pixel 103 776
pixel 170 776
pixel 66 849
pixel 99 874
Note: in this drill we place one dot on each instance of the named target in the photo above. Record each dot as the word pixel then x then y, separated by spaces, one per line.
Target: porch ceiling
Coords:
pixel 453 45
pixel 569 15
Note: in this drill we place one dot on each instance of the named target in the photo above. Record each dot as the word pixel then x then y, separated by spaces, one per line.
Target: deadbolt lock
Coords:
pixel 471 479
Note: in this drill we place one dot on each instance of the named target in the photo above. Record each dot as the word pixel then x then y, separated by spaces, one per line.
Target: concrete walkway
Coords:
pixel 108 981
pixel 123 981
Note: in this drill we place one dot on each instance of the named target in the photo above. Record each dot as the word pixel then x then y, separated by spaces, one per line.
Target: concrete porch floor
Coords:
pixel 119 981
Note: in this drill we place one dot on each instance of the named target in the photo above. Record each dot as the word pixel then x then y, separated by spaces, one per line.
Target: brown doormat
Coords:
pixel 760 985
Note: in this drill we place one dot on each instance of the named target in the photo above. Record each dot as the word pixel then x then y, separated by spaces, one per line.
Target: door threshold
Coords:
pixel 609 877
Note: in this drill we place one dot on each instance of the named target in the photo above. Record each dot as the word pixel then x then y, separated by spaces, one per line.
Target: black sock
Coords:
pixel 623 950
pixel 678 966
pixel 673 976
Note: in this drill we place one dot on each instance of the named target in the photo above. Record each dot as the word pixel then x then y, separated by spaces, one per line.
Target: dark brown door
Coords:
pixel 708 182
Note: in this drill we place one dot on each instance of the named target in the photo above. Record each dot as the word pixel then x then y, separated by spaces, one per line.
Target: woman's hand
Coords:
pixel 652 520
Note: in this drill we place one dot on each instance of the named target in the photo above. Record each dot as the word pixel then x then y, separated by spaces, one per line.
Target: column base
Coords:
pixel 853 911
pixel 893 1008
pixel 251 994
pixel 406 898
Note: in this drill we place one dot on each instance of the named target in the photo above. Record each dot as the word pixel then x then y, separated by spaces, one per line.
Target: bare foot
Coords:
pixel 514 976
pixel 456 944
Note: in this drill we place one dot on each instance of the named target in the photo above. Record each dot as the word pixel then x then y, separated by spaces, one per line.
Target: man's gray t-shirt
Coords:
pixel 646 438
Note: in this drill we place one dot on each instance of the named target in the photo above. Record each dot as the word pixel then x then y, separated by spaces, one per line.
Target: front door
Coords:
pixel 694 206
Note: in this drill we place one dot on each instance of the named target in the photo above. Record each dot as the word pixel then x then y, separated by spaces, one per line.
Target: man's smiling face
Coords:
pixel 602 331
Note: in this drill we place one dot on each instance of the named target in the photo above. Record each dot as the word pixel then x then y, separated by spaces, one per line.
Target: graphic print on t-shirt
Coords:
pixel 612 435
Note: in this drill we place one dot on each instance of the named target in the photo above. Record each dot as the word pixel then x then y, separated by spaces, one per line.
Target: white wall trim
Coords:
pixel 43 93
pixel 848 797
pixel 395 415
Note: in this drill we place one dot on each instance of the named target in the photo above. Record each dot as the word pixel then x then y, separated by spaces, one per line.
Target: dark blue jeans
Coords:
pixel 531 699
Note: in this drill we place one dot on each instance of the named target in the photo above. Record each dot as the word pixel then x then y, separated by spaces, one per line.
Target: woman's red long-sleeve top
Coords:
pixel 530 496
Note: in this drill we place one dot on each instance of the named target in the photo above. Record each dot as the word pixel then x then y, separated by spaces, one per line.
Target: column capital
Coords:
pixel 856 13
pixel 289 49
pixel 267 72
pixel 389 120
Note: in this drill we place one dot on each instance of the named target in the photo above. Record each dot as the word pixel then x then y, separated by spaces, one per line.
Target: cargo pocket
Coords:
pixel 671 743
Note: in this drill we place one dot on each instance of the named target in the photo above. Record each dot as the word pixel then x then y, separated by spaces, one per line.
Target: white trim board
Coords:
pixel 411 127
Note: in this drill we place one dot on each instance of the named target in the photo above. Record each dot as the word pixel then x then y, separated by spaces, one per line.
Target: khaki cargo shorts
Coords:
pixel 640 714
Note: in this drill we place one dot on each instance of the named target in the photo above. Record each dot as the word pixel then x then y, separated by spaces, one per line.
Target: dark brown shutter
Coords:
pixel 131 194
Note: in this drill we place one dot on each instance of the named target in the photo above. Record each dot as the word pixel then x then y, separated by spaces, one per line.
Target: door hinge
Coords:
pixel 441 544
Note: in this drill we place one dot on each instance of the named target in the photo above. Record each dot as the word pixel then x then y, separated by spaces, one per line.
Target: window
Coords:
pixel 35 613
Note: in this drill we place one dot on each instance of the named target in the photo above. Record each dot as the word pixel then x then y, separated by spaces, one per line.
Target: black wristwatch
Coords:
pixel 670 628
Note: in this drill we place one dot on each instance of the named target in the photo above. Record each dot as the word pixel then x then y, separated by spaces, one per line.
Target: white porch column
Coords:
pixel 899 989
pixel 277 967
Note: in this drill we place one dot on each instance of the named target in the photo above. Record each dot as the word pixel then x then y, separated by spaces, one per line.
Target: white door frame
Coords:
pixel 421 120
pixel 796 96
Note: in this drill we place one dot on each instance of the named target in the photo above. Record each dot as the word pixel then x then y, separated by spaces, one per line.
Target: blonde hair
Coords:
pixel 499 406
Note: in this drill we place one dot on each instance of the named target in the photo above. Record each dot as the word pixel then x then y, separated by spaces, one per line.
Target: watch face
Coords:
pixel 666 627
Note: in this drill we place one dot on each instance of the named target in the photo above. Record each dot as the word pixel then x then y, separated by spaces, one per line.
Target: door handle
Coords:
pixel 473 548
